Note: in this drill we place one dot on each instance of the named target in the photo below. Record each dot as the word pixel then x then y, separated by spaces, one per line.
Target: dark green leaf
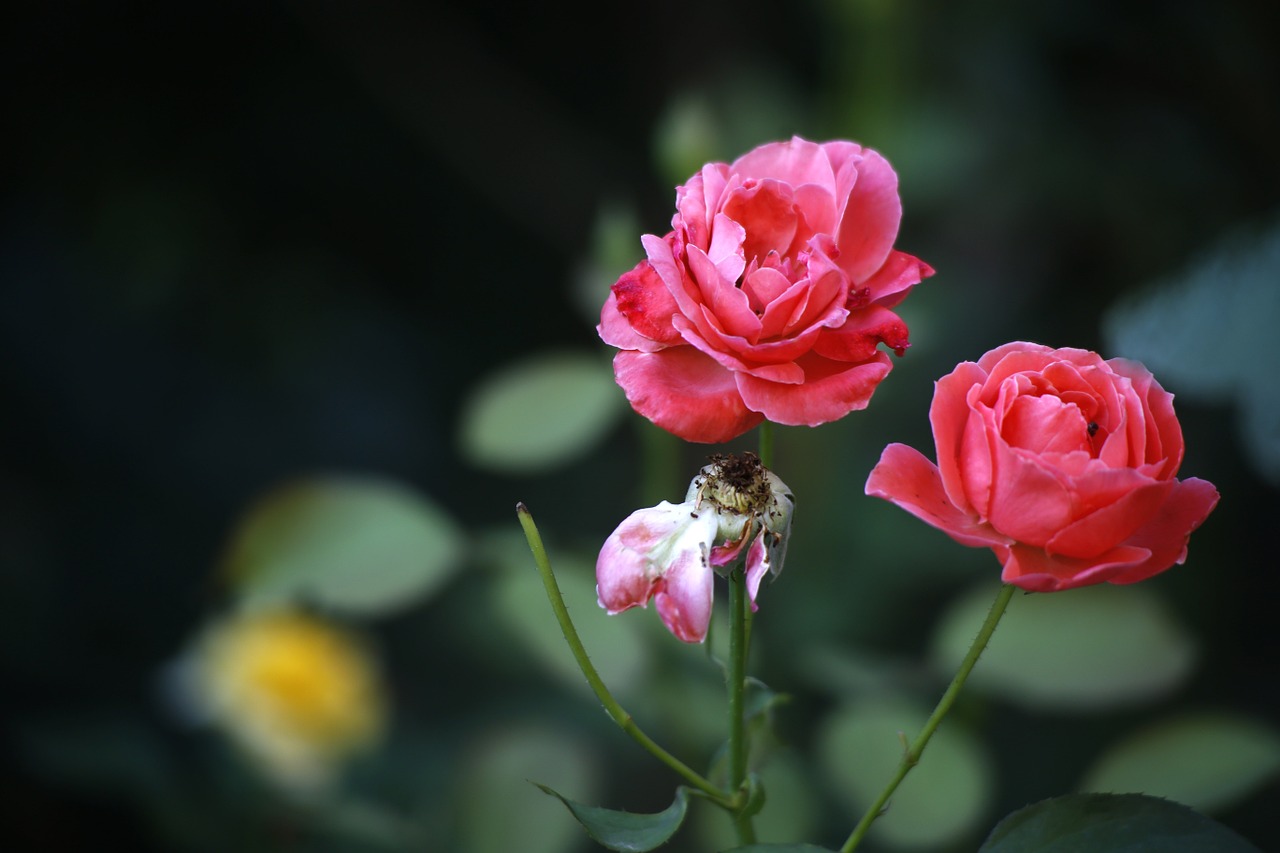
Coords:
pixel 1111 823
pixel 626 831
pixel 780 848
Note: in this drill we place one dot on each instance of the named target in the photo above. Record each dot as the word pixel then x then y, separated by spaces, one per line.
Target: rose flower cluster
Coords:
pixel 770 299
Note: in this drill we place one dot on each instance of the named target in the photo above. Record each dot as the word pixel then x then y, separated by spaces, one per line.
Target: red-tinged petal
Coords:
pixel 774 362
pixel 1026 356
pixel 686 393
pixel 1030 501
pixel 763 286
pixel 869 224
pixel 830 391
pixel 949 414
pixel 1035 571
pixel 816 209
pixel 684 597
pixel 642 298
pixel 1112 523
pixel 766 211
pixel 615 331
pixel 1045 425
pixel 1167 534
pixel 861 334
pixel 895 279
pixel 906 478
pixel 727 305
pixel 797 162
pixel 824 303
pixel 726 248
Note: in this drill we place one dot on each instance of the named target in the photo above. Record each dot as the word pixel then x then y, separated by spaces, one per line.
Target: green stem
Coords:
pixel 611 706
pixel 911 757
pixel 766 444
pixel 737 687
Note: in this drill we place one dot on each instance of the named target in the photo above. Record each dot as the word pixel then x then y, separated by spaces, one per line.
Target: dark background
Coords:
pixel 242 243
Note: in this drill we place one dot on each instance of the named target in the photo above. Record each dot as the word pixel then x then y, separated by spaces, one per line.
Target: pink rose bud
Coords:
pixel 670 553
pixel 770 296
pixel 1060 462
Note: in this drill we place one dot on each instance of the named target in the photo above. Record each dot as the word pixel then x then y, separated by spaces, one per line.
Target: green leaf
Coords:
pixel 1089 648
pixel 355 545
pixel 944 797
pixel 780 848
pixel 539 413
pixel 499 811
pixel 1111 823
pixel 617 644
pixel 1208 761
pixel 626 831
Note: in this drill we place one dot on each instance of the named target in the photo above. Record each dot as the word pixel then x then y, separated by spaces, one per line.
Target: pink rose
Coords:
pixel 770 295
pixel 1060 462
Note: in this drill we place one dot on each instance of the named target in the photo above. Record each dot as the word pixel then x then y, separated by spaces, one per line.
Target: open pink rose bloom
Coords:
pixel 1062 463
pixel 670 553
pixel 770 296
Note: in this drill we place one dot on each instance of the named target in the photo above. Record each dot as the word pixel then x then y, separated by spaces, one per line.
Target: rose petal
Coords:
pixel 905 477
pixel 1113 523
pixel 684 596
pixel 861 334
pixel 1167 534
pixel 869 222
pixel 685 393
pixel 895 278
pixel 796 162
pixel 765 210
pixel 1035 571
pixel 643 300
pixel 831 390
pixel 948 414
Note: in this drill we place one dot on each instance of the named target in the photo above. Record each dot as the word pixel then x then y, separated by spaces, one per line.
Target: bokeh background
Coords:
pixel 318 243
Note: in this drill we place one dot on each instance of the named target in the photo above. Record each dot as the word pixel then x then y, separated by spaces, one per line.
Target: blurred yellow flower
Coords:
pixel 298 693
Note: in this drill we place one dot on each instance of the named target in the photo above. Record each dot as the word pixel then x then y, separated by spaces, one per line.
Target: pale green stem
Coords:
pixel 911 757
pixel 737 687
pixel 611 706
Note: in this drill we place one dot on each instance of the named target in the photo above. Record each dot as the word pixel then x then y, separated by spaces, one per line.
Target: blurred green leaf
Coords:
pixel 540 412
pixel 355 545
pixel 500 811
pixel 627 831
pixel 616 644
pixel 944 797
pixel 778 848
pixel 1207 761
pixel 1109 823
pixel 1172 329
pixel 1095 647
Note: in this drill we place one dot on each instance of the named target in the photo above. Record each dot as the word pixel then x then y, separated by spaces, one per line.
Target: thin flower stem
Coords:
pixel 766 444
pixel 911 757
pixel 737 678
pixel 611 706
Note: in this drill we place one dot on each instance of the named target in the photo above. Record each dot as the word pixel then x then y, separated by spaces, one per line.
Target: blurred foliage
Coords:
pixel 245 247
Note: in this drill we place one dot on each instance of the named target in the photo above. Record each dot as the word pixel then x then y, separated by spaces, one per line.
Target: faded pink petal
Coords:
pixel 624 576
pixel 684 596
